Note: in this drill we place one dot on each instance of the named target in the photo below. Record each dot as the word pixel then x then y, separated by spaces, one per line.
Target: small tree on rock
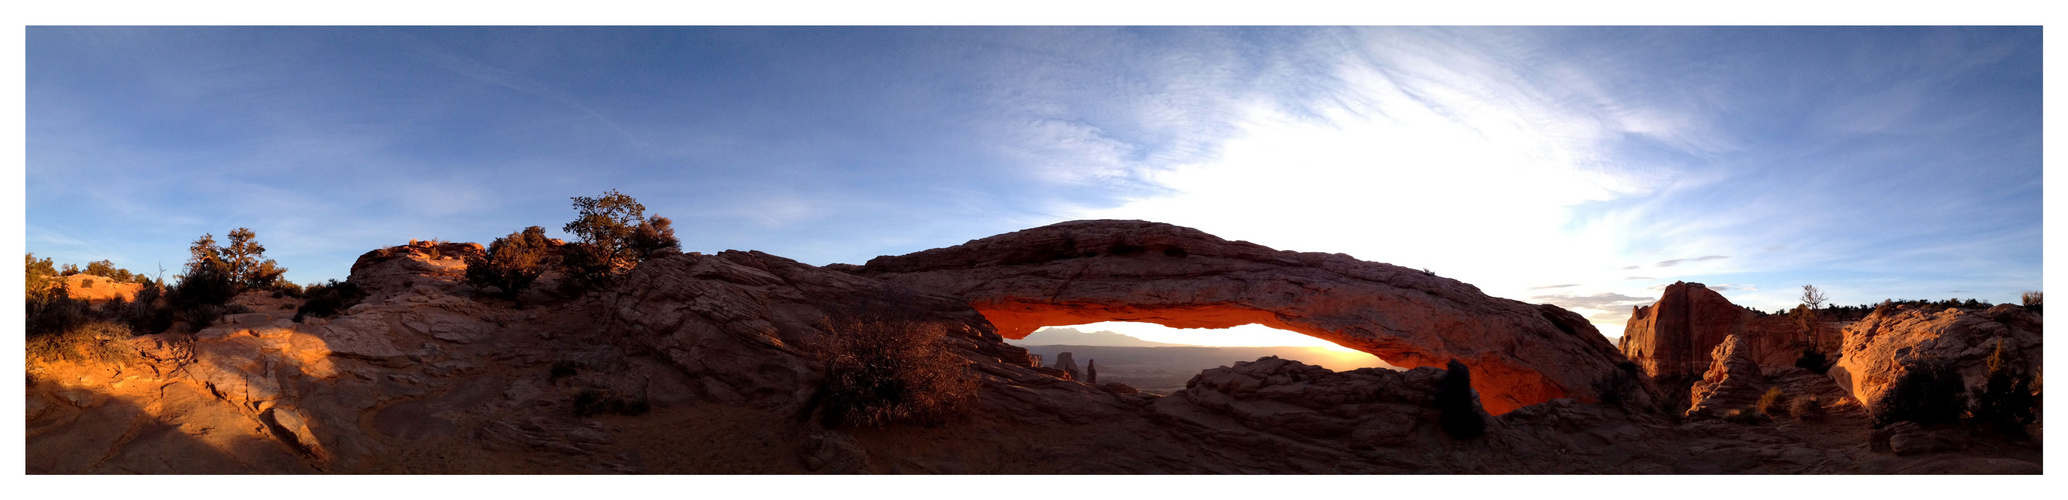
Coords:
pixel 512 263
pixel 614 234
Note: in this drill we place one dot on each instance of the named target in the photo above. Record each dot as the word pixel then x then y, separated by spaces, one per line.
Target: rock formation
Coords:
pixel 705 364
pixel 1732 381
pixel 1068 364
pixel 1091 372
pixel 1673 339
pixel 1090 271
pixel 98 289
pixel 1878 347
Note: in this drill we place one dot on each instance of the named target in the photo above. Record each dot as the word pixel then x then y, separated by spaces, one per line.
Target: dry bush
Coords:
pixel 881 372
pixel 512 262
pixel 97 341
pixel 1807 408
pixel 1772 403
pixel 1749 415
pixel 2006 401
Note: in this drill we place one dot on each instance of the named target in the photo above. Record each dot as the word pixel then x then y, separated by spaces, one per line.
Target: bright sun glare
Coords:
pixel 1250 335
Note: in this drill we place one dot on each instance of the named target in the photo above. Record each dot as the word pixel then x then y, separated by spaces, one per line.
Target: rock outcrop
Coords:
pixel 1880 346
pixel 1732 381
pixel 1068 364
pixel 704 364
pixel 98 289
pixel 1106 270
pixel 1673 339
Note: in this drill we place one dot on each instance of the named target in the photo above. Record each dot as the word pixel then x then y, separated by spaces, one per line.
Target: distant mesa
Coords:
pixel 1102 338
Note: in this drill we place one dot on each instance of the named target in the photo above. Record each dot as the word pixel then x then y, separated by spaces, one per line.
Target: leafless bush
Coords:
pixel 881 372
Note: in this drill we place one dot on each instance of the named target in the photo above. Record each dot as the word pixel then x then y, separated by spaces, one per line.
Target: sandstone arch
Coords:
pixel 1107 270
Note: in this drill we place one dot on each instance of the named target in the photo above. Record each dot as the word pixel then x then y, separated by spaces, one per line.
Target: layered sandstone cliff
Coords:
pixel 1675 337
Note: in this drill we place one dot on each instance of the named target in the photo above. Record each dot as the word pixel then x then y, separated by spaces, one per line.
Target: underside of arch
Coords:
pixel 1092 271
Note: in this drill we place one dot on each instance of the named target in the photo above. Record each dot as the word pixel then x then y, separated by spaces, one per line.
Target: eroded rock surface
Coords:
pixel 1733 380
pixel 1108 270
pixel 1675 337
pixel 1878 347
pixel 702 364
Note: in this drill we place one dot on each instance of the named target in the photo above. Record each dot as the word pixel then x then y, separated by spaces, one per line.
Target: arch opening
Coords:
pixel 1159 359
pixel 1503 384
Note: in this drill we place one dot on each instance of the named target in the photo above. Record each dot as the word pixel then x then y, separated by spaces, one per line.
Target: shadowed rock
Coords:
pixel 1109 270
pixel 1880 345
pixel 1673 339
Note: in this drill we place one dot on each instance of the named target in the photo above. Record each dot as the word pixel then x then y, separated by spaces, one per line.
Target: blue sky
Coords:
pixel 1580 167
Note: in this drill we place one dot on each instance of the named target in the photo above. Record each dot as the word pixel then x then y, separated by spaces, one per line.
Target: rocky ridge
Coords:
pixel 700 364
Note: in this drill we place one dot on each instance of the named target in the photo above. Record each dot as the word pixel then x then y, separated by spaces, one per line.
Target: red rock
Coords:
pixel 1733 380
pixel 1673 339
pixel 1090 271
pixel 1879 346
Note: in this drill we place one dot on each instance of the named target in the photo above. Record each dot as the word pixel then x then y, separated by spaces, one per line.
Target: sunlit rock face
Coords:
pixel 1106 270
pixel 1732 381
pixel 1675 337
pixel 1878 347
pixel 98 289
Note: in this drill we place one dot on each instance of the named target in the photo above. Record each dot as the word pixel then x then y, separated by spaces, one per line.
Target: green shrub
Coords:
pixel 327 300
pixel 512 262
pixel 881 372
pixel 1457 404
pixel 614 234
pixel 55 312
pixel 1929 391
pixel 2006 402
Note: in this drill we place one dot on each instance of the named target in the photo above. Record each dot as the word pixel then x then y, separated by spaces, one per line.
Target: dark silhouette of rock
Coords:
pixel 1068 364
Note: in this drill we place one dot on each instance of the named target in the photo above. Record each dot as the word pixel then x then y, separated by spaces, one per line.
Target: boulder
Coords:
pixel 746 322
pixel 1116 270
pixel 1878 347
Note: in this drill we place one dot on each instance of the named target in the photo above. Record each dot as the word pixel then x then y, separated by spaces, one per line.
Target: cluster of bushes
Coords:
pixel 881 372
pixel 1931 391
pixel 58 324
pixel 1928 392
pixel 1855 313
pixel 325 300
pixel 613 233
